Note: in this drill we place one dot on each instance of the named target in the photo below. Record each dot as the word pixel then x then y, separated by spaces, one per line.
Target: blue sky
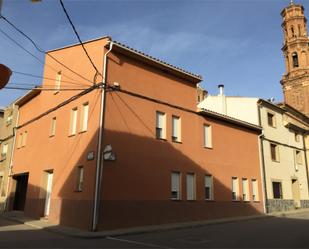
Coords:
pixel 232 42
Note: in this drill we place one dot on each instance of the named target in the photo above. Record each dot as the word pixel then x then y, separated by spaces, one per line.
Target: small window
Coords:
pixel 57 82
pixel 297 137
pixel 207 136
pixel 245 190
pixel 53 127
pixel 24 138
pixel 160 125
pixel 190 180
pixel 295 59
pixel 19 140
pixel 80 178
pixel 274 151
pixel 208 187
pixel 277 190
pixel 255 190
pixel 271 119
pixel 298 157
pixel 73 121
pixel 84 117
pixel 176 129
pixel 235 189
pixel 175 186
pixel 9 120
pixel 4 151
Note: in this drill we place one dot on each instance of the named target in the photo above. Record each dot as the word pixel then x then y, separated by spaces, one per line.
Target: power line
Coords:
pixel 43 89
pixel 80 41
pixel 39 49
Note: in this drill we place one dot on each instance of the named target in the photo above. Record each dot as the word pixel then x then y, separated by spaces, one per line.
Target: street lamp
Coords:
pixel 5 74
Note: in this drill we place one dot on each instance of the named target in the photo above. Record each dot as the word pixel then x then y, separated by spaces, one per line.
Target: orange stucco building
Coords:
pixel 162 160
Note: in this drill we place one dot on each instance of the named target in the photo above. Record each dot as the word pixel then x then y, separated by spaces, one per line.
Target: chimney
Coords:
pixel 221 89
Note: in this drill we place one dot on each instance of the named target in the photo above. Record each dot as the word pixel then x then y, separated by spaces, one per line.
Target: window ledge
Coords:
pixel 78 191
pixel 210 148
pixel 82 131
pixel 275 161
pixel 162 139
pixel 209 200
pixel 72 135
pixel 51 136
pixel 177 142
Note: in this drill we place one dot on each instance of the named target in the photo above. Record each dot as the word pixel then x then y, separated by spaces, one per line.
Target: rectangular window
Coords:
pixel 84 117
pixel 19 140
pixel 9 119
pixel 73 121
pixel 175 186
pixel 235 189
pixel 245 190
pixel 4 151
pixel 255 190
pixel 207 136
pixel 57 82
pixel 176 129
pixel 271 119
pixel 160 125
pixel 208 187
pixel 277 190
pixel 274 151
pixel 298 157
pixel 190 180
pixel 80 178
pixel 53 127
pixel 24 138
pixel 297 137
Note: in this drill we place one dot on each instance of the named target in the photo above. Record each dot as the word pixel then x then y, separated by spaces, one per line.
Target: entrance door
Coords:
pixel 296 194
pixel 20 191
pixel 48 192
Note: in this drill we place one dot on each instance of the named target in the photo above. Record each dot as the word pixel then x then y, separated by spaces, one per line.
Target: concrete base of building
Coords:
pixel 282 205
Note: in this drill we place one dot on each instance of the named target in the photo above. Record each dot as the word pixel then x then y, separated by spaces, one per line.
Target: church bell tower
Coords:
pixel 295 81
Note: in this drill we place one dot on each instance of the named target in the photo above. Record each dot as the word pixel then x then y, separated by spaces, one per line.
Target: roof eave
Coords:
pixel 27 97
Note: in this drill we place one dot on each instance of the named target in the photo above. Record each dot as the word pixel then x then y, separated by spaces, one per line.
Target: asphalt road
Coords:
pixel 287 232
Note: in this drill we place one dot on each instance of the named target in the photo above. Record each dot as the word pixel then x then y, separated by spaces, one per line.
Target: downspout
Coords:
pixel 99 165
pixel 11 160
pixel 306 161
pixel 261 137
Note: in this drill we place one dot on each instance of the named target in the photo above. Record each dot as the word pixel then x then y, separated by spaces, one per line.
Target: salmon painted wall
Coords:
pixel 136 187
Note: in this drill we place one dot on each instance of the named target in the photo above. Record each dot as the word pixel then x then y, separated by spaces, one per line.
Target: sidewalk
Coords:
pixel 74 232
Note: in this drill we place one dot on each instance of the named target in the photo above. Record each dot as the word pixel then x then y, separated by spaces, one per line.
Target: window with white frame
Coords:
pixel 175 186
pixel 160 125
pixel 53 127
pixel 84 117
pixel 24 138
pixel 208 187
pixel 176 129
pixel 255 190
pixel 20 136
pixel 235 189
pixel 190 181
pixel 58 82
pixel 4 151
pixel 245 189
pixel 73 121
pixel 80 178
pixel 207 136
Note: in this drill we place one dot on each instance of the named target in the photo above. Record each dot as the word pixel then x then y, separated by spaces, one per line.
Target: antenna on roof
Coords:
pixel 291 2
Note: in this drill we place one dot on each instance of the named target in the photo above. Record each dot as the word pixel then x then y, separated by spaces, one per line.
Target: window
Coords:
pixel 9 119
pixel 24 138
pixel 53 127
pixel 271 119
pixel 292 31
pixel 1 186
pixel 207 136
pixel 176 129
pixel 80 178
pixel 298 157
pixel 274 151
pixel 175 186
pixel 235 189
pixel 160 125
pixel 84 117
pixel 58 82
pixel 245 190
pixel 19 140
pixel 4 151
pixel 295 59
pixel 297 137
pixel 190 180
pixel 73 121
pixel 208 187
pixel 255 190
pixel 277 190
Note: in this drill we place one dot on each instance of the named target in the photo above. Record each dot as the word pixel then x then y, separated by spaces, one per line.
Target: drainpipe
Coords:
pixel 261 137
pixel 306 161
pixel 99 165
pixel 11 160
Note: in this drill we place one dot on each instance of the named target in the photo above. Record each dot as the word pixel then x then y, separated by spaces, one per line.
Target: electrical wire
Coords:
pixel 43 89
pixel 80 41
pixel 39 49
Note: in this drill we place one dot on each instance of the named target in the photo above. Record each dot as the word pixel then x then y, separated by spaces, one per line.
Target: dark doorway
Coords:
pixel 21 191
